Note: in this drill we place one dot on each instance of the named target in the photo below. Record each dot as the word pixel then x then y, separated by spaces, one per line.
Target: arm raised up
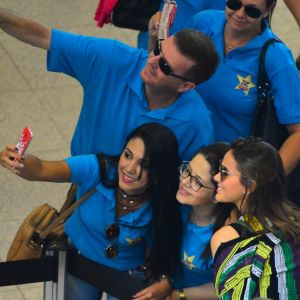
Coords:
pixel 24 29
pixel 32 168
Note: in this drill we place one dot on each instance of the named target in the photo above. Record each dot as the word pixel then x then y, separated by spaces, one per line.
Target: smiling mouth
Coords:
pixel 128 179
pixel 183 191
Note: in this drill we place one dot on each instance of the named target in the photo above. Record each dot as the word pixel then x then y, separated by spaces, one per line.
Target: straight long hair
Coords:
pixel 161 149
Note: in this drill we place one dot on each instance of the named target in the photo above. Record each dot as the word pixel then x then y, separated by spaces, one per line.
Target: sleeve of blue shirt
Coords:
pixel 84 171
pixel 201 21
pixel 88 59
pixel 285 83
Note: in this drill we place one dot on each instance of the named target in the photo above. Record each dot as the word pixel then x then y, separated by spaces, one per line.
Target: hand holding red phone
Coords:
pixel 24 140
pixel 10 157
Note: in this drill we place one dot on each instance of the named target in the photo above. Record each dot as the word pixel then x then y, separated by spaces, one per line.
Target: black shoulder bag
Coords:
pixel 134 14
pixel 266 124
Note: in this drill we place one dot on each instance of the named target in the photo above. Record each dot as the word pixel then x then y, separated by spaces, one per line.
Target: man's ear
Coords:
pixel 187 85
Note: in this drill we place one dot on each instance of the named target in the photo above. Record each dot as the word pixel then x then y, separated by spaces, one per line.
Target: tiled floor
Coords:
pixel 49 103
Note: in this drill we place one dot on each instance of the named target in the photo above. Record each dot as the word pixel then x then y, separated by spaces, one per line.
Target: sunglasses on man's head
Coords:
pixel 164 65
pixel 250 10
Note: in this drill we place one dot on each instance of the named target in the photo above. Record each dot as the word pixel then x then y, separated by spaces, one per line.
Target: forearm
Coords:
pixel 201 292
pixel 294 7
pixel 32 168
pixel 289 151
pixel 24 29
pixel 35 169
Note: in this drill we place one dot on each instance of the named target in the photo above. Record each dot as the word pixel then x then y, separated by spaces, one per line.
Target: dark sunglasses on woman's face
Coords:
pixel 250 10
pixel 164 65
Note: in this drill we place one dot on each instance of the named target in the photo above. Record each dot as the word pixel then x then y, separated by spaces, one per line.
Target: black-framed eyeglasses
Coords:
pixel 164 65
pixel 250 10
pixel 112 231
pixel 195 183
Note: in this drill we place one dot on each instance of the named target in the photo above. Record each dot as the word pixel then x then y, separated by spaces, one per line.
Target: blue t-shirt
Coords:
pixel 185 10
pixel 195 270
pixel 230 94
pixel 86 226
pixel 114 102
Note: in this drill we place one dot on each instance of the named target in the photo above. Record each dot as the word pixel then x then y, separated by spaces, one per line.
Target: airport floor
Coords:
pixel 49 104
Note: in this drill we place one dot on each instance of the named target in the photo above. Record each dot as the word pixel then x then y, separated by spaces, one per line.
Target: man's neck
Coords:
pixel 160 98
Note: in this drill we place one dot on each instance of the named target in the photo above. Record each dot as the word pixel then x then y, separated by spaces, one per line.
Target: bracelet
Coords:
pixel 180 295
pixel 164 276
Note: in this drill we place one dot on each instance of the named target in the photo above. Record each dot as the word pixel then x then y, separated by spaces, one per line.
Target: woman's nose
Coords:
pixel 186 181
pixel 131 167
pixel 217 177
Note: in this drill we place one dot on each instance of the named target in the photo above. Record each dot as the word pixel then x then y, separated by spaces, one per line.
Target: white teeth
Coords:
pixel 130 178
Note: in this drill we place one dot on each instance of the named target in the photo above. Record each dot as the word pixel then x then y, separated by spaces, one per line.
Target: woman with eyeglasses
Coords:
pixel 132 219
pixel 258 256
pixel 201 217
pixel 231 93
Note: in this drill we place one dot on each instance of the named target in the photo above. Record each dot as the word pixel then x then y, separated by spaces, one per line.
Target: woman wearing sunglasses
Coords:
pixel 231 93
pixel 201 217
pixel 133 209
pixel 258 256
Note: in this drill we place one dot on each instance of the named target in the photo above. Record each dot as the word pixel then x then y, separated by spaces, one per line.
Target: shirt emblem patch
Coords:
pixel 244 84
pixel 188 261
pixel 132 242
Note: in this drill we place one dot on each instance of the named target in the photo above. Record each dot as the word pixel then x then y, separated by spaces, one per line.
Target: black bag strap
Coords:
pixel 263 83
pixel 263 86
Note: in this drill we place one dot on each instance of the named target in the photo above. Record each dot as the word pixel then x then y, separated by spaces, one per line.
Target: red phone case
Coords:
pixel 24 140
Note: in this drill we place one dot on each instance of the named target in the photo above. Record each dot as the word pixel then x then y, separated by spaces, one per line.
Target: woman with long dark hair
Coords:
pixel 132 219
pixel 258 256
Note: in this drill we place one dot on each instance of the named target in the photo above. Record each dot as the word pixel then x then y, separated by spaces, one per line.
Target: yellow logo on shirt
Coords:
pixel 188 261
pixel 132 242
pixel 244 84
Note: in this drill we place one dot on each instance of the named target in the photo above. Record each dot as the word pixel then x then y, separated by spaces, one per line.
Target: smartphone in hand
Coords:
pixel 24 140
pixel 167 18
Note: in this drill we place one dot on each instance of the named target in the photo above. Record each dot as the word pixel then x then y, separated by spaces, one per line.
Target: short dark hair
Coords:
pixel 198 47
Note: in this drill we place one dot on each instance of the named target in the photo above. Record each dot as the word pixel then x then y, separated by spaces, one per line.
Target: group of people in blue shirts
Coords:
pixel 186 100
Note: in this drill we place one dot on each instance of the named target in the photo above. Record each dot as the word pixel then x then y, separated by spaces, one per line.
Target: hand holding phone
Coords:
pixel 24 140
pixel 167 18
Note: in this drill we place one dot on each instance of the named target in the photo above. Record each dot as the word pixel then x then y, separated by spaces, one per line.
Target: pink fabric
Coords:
pixel 104 10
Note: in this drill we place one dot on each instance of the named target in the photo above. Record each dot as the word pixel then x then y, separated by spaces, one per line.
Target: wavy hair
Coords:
pixel 261 164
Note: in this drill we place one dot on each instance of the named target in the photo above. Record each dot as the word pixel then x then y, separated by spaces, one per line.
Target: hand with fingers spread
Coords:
pixel 156 291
